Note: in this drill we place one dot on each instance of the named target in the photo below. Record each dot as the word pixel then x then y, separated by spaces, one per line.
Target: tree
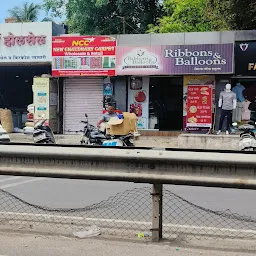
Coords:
pixel 239 14
pixel 106 16
pixel 187 16
pixel 28 12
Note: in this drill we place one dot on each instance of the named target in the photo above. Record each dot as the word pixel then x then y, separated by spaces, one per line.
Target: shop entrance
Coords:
pixel 166 103
pixel 16 89
pixel 245 89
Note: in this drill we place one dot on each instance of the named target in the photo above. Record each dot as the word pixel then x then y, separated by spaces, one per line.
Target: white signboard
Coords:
pixel 25 42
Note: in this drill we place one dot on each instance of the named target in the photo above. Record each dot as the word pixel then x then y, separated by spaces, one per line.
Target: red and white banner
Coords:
pixel 199 106
pixel 84 56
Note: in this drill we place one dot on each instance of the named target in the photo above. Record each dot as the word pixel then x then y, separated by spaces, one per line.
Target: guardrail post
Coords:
pixel 157 212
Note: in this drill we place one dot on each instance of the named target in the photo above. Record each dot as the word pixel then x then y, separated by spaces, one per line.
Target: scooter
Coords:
pixel 93 136
pixel 247 140
pixel 43 133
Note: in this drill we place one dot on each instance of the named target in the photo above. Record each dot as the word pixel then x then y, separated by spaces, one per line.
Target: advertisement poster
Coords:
pixel 176 59
pixel 41 90
pixel 26 42
pixel 196 80
pixel 199 106
pixel 108 89
pixel 83 56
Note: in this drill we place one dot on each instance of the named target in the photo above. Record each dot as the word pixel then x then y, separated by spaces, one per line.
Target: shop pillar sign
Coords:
pixel 25 42
pixel 84 56
pixel 199 107
pixel 41 91
pixel 245 58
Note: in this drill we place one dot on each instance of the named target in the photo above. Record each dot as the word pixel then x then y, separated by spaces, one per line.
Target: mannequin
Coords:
pixel 227 102
pixel 237 114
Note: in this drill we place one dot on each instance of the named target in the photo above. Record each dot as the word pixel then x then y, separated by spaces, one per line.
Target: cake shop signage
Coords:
pixel 25 42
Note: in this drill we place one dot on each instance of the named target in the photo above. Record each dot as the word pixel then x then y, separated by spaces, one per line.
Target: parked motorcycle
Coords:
pixel 247 140
pixel 43 133
pixel 93 136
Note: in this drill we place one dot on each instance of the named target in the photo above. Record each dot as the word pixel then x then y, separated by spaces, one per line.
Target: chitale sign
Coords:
pixel 25 42
pixel 245 58
pixel 175 59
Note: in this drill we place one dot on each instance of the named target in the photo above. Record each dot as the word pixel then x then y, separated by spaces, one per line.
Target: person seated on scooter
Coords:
pixel 106 117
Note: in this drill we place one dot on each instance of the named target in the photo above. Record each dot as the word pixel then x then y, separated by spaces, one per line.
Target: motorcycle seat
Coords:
pixel 97 135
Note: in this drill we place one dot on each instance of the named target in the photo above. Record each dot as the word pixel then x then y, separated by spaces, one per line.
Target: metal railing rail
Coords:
pixel 145 166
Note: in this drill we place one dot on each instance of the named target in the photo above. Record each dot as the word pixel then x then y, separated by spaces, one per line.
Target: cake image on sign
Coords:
pixel 140 59
pixel 193 109
pixel 140 96
pixel 204 91
pixel 192 120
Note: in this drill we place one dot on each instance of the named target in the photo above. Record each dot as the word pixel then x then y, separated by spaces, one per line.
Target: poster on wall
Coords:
pixel 199 107
pixel 196 80
pixel 138 103
pixel 41 91
pixel 83 56
pixel 108 89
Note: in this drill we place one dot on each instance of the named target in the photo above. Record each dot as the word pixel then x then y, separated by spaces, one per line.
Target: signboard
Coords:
pixel 84 56
pixel 139 60
pixel 175 59
pixel 199 106
pixel 41 90
pixel 25 42
pixel 245 58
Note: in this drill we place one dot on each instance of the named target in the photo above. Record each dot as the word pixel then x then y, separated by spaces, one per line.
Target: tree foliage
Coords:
pixel 239 14
pixel 187 16
pixel 28 12
pixel 105 16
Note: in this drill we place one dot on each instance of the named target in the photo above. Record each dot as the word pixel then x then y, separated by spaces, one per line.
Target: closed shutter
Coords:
pixel 82 95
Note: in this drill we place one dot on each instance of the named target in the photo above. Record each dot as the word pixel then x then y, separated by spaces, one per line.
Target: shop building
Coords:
pixel 25 53
pixel 244 81
pixel 159 77
pixel 153 75
pixel 83 66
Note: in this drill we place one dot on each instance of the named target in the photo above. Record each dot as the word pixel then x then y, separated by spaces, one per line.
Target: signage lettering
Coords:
pixel 251 66
pixel 192 58
pixel 12 40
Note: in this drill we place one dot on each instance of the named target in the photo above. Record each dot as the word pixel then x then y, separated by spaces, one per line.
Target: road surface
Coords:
pixel 29 245
pixel 65 193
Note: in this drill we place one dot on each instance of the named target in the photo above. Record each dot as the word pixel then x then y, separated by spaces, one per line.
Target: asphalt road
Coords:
pixel 62 193
pixel 30 245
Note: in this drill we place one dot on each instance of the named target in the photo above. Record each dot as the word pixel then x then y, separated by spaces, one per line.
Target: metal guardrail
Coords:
pixel 231 170
pixel 226 170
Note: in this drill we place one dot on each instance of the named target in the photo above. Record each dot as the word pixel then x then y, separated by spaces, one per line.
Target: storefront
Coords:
pixel 244 81
pixel 165 82
pixel 25 53
pixel 86 65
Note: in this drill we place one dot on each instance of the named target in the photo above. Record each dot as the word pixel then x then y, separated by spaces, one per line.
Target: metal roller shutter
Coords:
pixel 82 95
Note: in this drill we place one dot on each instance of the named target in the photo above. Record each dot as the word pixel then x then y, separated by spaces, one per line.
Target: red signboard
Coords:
pixel 199 106
pixel 84 56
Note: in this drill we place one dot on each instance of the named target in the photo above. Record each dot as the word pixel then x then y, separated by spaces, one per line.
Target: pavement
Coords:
pixel 13 244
